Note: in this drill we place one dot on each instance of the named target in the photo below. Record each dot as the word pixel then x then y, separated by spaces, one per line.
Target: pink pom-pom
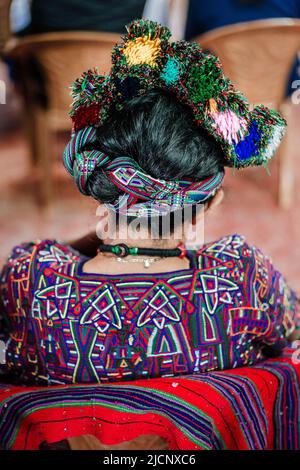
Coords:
pixel 229 126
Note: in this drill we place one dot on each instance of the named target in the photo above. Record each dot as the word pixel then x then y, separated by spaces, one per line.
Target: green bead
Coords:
pixel 133 251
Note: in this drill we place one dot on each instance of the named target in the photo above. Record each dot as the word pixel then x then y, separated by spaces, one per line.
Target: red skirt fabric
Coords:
pixel 248 408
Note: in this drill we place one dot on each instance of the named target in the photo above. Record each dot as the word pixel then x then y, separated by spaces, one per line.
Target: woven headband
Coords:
pixel 144 195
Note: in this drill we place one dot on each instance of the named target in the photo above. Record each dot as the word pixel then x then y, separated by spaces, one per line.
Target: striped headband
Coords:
pixel 144 195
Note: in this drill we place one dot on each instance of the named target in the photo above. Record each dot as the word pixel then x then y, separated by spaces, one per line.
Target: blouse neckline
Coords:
pixel 190 254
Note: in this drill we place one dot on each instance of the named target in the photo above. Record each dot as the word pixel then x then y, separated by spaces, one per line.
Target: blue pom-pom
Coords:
pixel 248 148
pixel 170 72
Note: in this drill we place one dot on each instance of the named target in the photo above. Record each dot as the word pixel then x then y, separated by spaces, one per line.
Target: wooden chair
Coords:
pixel 258 57
pixel 47 64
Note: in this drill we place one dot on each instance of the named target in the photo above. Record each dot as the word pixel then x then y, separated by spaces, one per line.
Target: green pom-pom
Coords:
pixel 206 80
pixel 268 116
pixel 87 89
pixel 272 126
pixel 92 95
pixel 144 27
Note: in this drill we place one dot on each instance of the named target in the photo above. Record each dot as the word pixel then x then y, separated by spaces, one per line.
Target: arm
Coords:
pixel 283 303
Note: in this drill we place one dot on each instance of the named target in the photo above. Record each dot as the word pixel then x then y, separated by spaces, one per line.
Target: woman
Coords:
pixel 150 143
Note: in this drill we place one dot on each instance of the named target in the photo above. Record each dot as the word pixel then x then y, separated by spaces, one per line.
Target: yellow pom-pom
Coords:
pixel 142 51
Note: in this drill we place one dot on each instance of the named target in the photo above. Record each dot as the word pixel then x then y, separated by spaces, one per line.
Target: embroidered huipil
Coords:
pixel 231 308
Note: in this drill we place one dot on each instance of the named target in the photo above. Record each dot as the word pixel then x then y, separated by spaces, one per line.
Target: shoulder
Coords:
pixel 55 253
pixel 28 258
pixel 26 266
pixel 231 246
pixel 235 251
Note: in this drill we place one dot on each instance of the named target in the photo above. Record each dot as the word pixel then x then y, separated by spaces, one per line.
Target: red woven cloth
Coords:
pixel 248 408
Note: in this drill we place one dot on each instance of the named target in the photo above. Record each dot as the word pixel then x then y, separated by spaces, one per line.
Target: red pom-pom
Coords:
pixel 86 116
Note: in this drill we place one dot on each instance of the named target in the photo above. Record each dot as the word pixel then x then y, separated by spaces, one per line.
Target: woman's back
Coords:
pixel 229 309
pixel 150 142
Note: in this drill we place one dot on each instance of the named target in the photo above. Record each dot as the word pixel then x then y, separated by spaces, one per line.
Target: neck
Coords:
pixel 105 263
pixel 145 242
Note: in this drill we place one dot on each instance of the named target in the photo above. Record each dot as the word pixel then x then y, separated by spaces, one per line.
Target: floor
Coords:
pixel 249 207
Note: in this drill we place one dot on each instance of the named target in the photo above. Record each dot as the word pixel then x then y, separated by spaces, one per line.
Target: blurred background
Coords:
pixel 45 46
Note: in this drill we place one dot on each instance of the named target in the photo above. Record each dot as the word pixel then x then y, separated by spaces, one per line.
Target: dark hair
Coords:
pixel 158 132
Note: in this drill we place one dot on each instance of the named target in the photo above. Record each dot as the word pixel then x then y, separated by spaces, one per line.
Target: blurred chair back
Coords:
pixel 258 56
pixel 5 31
pixel 48 64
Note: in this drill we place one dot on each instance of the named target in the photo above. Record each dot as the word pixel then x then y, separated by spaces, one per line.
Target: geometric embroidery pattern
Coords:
pixel 69 326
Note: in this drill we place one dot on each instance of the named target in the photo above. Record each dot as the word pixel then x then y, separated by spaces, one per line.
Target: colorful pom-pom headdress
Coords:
pixel 147 60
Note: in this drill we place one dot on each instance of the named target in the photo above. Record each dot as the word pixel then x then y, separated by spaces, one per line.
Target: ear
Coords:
pixel 103 224
pixel 215 201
